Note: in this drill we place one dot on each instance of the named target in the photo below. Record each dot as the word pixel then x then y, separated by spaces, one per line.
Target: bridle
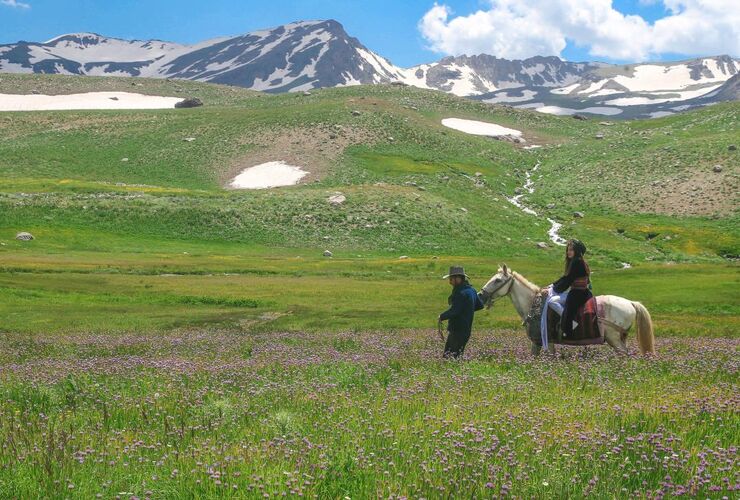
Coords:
pixel 492 300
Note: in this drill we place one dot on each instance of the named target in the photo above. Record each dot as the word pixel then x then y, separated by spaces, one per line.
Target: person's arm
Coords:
pixel 478 302
pixel 455 308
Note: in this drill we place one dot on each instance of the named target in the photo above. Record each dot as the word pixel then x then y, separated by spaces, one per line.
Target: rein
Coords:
pixel 492 300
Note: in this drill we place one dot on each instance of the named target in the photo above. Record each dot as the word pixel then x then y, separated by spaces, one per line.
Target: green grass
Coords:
pixel 167 338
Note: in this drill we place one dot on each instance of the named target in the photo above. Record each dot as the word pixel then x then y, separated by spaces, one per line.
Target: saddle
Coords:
pixel 586 333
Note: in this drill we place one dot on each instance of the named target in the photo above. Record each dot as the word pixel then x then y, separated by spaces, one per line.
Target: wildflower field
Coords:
pixel 363 414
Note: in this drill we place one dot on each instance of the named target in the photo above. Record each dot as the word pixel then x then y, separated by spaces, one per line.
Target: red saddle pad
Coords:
pixel 587 332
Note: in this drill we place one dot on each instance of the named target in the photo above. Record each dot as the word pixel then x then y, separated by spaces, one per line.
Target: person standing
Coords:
pixel 463 302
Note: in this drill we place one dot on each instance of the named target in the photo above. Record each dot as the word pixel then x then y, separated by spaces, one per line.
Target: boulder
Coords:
pixel 327 253
pixel 579 117
pixel 403 257
pixel 542 245
pixel 337 199
pixel 307 93
pixel 578 215
pixel 24 236
pixel 731 147
pixel 550 206
pixel 599 136
pixel 355 113
pixel 190 102
pixel 717 168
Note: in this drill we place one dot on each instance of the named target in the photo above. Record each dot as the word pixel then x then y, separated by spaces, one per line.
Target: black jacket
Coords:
pixel 464 301
pixel 577 270
pixel 576 297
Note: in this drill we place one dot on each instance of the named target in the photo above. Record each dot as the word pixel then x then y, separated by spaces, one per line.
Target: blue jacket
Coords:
pixel 464 301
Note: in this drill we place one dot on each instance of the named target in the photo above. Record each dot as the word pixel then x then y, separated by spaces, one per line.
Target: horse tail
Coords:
pixel 645 335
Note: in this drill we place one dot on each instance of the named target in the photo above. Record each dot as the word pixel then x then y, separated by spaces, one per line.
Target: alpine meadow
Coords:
pixel 167 335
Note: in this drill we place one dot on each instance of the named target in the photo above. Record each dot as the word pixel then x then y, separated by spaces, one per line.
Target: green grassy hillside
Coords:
pixel 121 192
pixel 166 337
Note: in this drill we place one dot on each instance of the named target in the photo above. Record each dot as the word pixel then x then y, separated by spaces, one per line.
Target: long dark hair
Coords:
pixel 578 250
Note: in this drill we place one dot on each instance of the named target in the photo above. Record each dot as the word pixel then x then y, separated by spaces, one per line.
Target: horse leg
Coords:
pixel 615 341
pixel 536 349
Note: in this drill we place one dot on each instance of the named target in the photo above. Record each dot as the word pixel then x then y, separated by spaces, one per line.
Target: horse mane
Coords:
pixel 524 281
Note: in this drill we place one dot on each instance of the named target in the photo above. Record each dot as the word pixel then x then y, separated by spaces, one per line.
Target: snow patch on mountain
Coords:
pixel 474 127
pixel 595 110
pixel 508 97
pixel 90 100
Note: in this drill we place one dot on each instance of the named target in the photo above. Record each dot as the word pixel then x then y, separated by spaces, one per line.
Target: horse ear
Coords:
pixel 506 269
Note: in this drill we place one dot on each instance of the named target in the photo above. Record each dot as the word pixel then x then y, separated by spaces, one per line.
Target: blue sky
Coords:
pixel 389 27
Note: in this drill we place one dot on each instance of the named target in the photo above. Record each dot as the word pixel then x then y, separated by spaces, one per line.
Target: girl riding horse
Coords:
pixel 576 277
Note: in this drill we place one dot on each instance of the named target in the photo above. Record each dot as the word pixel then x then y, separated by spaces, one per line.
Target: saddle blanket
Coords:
pixel 586 333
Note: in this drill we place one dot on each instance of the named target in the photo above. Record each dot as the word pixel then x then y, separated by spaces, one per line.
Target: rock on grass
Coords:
pixel 190 102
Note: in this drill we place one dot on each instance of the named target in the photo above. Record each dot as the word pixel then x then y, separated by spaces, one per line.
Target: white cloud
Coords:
pixel 516 29
pixel 16 4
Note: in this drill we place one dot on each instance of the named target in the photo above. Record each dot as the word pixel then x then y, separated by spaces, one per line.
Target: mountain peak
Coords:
pixel 81 38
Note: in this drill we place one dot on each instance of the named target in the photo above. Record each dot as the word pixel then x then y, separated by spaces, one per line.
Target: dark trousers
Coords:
pixel 455 344
pixel 576 298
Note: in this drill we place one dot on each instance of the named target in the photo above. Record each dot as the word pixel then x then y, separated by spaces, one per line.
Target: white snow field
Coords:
pixel 652 77
pixel 268 175
pixel 479 128
pixel 597 110
pixel 527 95
pixel 682 96
pixel 90 100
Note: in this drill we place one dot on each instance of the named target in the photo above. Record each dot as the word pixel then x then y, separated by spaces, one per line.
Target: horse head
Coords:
pixel 497 287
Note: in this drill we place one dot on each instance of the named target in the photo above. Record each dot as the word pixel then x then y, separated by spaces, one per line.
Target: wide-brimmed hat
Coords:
pixel 455 271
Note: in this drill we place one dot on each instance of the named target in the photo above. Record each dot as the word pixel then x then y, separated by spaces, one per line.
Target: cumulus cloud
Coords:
pixel 514 29
pixel 15 3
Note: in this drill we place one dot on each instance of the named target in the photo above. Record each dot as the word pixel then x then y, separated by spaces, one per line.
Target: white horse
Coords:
pixel 619 313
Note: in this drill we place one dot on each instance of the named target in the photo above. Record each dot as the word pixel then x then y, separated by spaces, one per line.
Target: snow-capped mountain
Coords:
pixel 482 74
pixel 312 54
pixel 297 56
pixel 629 91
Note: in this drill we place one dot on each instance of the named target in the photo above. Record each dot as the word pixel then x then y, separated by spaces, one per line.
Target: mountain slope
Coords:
pixel 481 74
pixel 297 56
pixel 305 55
